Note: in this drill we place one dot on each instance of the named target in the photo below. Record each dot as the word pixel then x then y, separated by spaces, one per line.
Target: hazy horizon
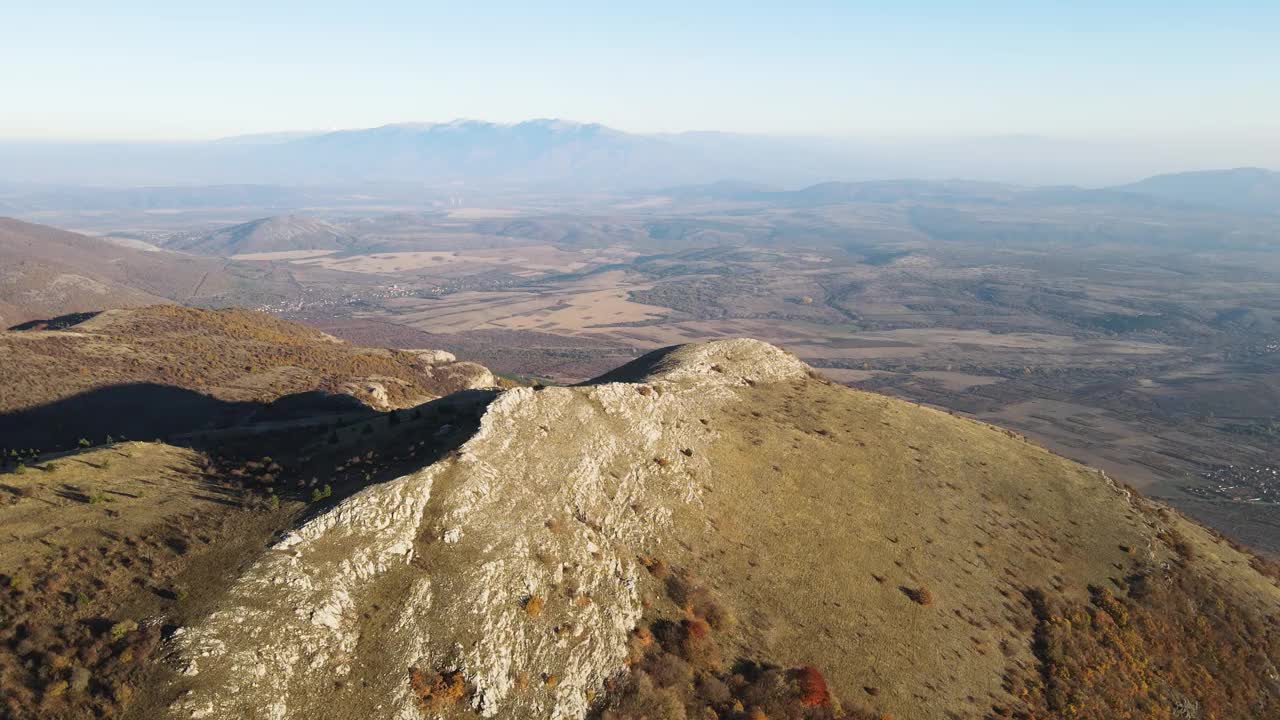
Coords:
pixel 785 94
pixel 149 71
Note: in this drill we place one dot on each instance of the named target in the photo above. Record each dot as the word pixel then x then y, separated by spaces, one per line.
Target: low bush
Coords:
pixel 437 691
pixel 533 605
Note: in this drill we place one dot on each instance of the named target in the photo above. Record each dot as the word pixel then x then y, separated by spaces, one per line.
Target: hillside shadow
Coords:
pixel 636 370
pixel 61 322
pixel 151 411
pixel 418 438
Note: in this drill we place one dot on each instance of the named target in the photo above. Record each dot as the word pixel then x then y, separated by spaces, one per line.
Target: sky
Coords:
pixel 185 70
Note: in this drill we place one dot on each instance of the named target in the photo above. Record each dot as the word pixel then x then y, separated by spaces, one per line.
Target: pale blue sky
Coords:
pixel 133 69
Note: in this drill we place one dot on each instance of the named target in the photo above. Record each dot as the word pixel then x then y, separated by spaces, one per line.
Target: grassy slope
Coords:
pixel 111 535
pixel 827 505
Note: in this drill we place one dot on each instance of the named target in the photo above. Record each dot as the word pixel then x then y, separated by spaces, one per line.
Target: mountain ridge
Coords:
pixel 580 156
pixel 913 557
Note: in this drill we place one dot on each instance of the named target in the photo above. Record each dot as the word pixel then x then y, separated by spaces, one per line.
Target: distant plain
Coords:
pixel 1139 335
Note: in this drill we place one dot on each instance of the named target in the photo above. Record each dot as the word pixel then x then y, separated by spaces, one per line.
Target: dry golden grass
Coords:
pixel 894 546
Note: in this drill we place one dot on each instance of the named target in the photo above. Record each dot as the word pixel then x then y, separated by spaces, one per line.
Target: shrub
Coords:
pixel 697 644
pixel 122 628
pixel 437 691
pixel 656 567
pixel 19 581
pixel 919 596
pixel 533 605
pixel 84 443
pixel 813 687
pixel 321 493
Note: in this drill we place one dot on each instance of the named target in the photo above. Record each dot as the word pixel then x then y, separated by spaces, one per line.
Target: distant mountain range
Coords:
pixel 557 155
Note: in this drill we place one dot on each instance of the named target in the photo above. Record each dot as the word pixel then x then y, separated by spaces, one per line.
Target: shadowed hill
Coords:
pixel 198 364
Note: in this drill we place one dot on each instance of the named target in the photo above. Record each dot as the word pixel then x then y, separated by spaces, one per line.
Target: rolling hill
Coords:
pixel 282 233
pixel 46 272
pixel 1253 189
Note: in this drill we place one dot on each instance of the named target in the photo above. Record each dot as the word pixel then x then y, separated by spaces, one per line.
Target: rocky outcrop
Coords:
pixel 512 562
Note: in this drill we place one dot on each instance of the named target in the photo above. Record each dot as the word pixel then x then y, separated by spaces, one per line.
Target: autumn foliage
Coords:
pixel 436 691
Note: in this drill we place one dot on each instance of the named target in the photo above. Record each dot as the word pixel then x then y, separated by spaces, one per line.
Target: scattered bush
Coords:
pixel 321 493
pixel 1172 642
pixel 677 672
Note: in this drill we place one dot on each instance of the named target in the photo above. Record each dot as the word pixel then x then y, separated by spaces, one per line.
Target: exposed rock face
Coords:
pixel 437 570
pixel 434 357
